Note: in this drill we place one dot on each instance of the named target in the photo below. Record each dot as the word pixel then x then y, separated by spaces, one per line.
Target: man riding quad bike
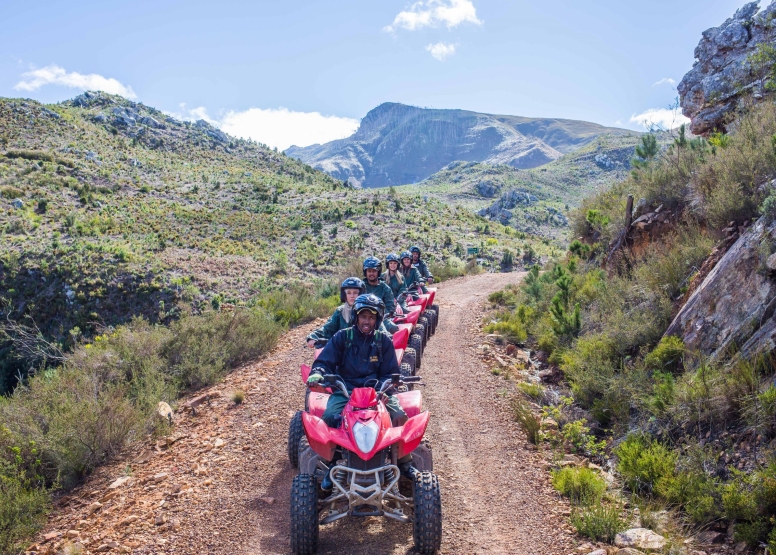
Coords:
pixel 406 344
pixel 362 452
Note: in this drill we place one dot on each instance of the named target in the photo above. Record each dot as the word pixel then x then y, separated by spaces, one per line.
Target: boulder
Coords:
pixel 734 305
pixel 17 203
pixel 711 91
pixel 151 122
pixel 604 162
pixel 164 411
pixel 488 188
pixel 211 131
pixel 639 538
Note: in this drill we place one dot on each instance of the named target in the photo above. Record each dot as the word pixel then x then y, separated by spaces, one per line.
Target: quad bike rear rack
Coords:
pixel 365 500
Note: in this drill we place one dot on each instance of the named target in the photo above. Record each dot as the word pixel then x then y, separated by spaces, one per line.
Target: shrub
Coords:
pixel 11 193
pixel 534 390
pixel 238 396
pixel 30 155
pixel 510 327
pixel 667 356
pixel 599 523
pixel 582 485
pixel 452 268
pixel 643 463
pixel 23 509
pixel 530 423
pixel 203 348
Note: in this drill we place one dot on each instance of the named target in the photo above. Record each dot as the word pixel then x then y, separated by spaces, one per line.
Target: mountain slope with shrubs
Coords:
pixel 547 192
pixel 683 430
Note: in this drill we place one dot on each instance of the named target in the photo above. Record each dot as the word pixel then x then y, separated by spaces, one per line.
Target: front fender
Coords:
pixel 412 433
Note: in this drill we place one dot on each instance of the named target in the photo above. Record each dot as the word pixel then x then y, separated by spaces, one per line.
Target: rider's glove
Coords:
pixel 314 379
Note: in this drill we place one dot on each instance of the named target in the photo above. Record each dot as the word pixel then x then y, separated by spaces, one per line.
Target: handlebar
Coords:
pixel 332 380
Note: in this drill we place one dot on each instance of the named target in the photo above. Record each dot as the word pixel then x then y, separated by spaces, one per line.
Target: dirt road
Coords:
pixel 233 477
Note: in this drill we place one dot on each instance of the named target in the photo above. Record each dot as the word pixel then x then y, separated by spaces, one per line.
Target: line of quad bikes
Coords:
pixel 361 456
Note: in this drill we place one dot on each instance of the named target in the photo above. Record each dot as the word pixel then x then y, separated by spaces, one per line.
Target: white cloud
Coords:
pixel 427 13
pixel 664 81
pixel 440 50
pixel 55 75
pixel 278 127
pixel 659 117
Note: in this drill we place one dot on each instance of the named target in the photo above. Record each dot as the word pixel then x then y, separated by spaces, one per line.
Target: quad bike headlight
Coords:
pixel 366 435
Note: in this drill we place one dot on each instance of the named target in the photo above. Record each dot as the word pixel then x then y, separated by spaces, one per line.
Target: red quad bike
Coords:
pixel 408 324
pixel 406 356
pixel 429 311
pixel 361 457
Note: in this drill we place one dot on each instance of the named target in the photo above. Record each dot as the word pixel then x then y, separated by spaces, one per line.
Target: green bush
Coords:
pixel 23 509
pixel 529 422
pixel 511 328
pixel 643 463
pixel 202 348
pixel 298 303
pixel 534 390
pixel 599 523
pixel 582 485
pixel 667 356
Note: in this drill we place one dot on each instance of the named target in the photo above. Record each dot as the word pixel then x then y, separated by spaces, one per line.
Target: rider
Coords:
pixel 372 268
pixel 356 355
pixel 421 266
pixel 351 288
pixel 394 279
pixel 412 278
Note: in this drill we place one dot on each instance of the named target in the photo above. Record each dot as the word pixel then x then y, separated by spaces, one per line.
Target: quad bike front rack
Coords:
pixel 368 499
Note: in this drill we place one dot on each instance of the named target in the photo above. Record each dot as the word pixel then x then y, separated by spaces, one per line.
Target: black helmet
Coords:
pixel 372 262
pixel 372 303
pixel 415 248
pixel 406 254
pixel 351 283
pixel 392 257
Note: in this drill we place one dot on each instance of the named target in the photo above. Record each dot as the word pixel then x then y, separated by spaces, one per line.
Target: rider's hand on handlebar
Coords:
pixel 314 379
pixel 430 280
pixel 311 343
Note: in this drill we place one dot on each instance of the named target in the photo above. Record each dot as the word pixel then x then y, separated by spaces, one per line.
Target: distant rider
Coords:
pixel 394 279
pixel 421 266
pixel 372 269
pixel 412 278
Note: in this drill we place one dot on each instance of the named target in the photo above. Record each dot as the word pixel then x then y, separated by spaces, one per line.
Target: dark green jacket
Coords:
pixel 423 269
pixel 412 277
pixel 384 292
pixel 335 323
pixel 393 282
pixel 357 358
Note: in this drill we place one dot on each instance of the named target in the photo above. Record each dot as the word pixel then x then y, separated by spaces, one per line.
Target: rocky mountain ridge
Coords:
pixel 398 144
pixel 725 71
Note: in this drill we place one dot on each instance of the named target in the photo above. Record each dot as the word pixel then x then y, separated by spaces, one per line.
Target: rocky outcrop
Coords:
pixel 397 144
pixel 501 210
pixel 488 188
pixel 722 73
pixel 734 306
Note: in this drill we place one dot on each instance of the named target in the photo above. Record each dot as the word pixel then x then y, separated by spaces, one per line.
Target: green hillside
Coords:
pixel 112 209
pixel 558 186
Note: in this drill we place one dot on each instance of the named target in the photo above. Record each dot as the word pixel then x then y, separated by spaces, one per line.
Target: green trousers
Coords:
pixel 333 413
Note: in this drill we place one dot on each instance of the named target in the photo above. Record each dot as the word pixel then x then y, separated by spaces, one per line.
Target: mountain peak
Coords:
pixel 397 144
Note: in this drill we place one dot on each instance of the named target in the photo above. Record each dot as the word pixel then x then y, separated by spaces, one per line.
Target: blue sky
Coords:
pixel 302 72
